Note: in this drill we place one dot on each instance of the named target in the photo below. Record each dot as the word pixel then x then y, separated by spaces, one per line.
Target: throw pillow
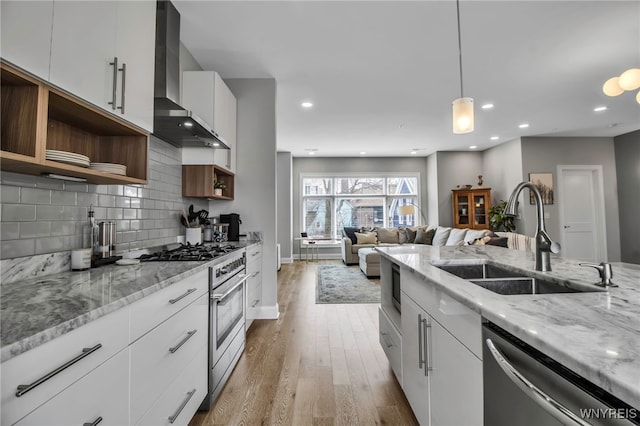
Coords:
pixel 497 241
pixel 424 237
pixel 473 235
pixel 366 238
pixel 351 233
pixel 407 236
pixel 441 236
pixel 456 237
pixel 388 235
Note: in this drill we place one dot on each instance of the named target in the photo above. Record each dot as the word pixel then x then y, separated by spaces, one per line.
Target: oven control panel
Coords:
pixel 231 266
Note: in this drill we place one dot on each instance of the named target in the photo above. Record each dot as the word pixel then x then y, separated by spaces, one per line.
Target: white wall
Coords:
pixel 284 205
pixel 540 155
pixel 433 213
pixel 627 150
pixel 255 183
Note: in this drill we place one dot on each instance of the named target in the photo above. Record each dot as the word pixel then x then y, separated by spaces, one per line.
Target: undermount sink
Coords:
pixel 505 281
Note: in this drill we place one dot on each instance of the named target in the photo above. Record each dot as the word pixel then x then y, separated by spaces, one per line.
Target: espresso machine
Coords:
pixel 233 230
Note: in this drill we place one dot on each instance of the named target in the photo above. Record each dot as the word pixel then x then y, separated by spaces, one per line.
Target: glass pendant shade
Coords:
pixel 630 79
pixel 463 115
pixel 638 97
pixel 612 88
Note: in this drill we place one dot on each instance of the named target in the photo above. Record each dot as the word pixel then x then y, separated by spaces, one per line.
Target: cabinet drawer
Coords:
pixel 154 309
pixel 391 342
pixel 161 355
pixel 460 320
pixel 105 336
pixel 254 290
pixel 182 397
pixel 101 394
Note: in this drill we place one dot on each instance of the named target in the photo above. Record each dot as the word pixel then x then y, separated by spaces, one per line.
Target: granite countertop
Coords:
pixel 597 335
pixel 36 310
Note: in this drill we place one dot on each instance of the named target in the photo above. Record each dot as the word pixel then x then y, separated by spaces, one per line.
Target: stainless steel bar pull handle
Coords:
pixel 421 360
pixel 181 407
pixel 550 405
pixel 22 389
pixel 183 341
pixel 425 329
pixel 188 292
pixel 122 88
pixel 93 423
pixel 218 297
pixel 115 83
pixel 383 336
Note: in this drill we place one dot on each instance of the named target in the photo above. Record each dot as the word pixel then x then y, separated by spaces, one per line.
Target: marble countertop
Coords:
pixel 36 310
pixel 597 334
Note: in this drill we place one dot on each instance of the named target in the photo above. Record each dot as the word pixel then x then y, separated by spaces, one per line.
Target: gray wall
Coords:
pixel 255 183
pixel 284 205
pixel 42 215
pixel 353 165
pixel 540 155
pixel 502 166
pixel 627 150
pixel 433 212
pixel 455 168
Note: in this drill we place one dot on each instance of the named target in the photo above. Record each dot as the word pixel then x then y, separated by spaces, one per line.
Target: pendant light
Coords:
pixel 462 107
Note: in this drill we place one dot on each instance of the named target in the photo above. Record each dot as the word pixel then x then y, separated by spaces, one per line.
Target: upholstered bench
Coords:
pixel 369 262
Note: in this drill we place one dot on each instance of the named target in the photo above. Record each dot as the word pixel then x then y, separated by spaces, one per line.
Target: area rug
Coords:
pixel 345 284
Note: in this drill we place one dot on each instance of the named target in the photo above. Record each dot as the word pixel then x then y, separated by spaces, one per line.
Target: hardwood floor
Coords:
pixel 315 365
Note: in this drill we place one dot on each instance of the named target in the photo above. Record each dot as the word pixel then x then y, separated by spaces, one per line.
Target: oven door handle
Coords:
pixel 550 405
pixel 219 296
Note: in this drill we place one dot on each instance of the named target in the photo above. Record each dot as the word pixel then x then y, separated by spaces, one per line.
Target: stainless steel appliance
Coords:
pixel 227 317
pixel 189 252
pixel 523 386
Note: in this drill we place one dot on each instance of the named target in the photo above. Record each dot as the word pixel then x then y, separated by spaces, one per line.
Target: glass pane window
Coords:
pixel 317 217
pixel 402 185
pixel 395 212
pixel 360 186
pixel 317 186
pixel 359 212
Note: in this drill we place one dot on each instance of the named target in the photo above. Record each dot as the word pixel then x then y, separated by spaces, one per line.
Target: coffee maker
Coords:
pixel 233 219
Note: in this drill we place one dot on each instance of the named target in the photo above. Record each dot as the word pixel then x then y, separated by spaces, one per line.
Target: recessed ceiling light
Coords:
pixel 306 104
pixel 216 144
pixel 312 153
pixel 600 108
pixel 188 124
pixel 414 152
pixel 473 147
pixel 487 106
pixel 363 153
pixel 524 125
pixel 494 138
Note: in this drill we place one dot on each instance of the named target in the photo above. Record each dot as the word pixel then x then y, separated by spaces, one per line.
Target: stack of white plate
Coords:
pixel 116 169
pixel 67 157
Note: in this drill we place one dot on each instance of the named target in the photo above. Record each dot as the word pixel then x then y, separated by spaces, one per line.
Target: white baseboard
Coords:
pixel 286 260
pixel 328 256
pixel 267 312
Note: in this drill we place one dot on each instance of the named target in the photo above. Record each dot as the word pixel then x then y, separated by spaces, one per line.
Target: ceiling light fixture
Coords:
pixel 414 152
pixel 487 106
pixel 523 125
pixel 462 107
pixel 495 138
pixel 306 104
pixel 600 108
pixel 363 153
pixel 628 80
pixel 473 147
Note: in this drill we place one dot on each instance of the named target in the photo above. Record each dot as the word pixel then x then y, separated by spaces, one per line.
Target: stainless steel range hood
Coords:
pixel 171 122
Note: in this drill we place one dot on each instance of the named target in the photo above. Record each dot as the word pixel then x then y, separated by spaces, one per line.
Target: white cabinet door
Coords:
pixel 26 34
pixel 135 49
pixel 82 48
pixel 102 394
pixel 415 381
pixel 455 380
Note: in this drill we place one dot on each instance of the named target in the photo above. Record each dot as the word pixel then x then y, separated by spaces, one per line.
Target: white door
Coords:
pixel 581 205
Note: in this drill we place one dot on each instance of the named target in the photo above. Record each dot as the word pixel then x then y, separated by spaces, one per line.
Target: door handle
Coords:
pixel 115 82
pixel 124 77
pixel 567 226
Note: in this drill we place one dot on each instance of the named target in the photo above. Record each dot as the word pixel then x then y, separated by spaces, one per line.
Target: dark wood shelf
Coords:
pixel 198 180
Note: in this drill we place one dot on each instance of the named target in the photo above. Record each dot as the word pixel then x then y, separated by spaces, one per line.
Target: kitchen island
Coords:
pixel 595 334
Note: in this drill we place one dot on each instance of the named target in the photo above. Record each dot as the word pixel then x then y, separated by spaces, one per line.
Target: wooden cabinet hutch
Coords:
pixel 471 208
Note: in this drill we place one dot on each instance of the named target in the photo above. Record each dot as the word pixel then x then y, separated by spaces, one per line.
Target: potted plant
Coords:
pixel 500 221
pixel 218 186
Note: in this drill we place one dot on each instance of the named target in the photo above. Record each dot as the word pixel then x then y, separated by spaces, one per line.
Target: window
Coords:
pixel 330 203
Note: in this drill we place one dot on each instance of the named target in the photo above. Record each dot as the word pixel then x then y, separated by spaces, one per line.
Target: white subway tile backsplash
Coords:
pixel 35 229
pixel 44 213
pixel 64 198
pixel 9 194
pixel 9 231
pixel 35 196
pixel 18 213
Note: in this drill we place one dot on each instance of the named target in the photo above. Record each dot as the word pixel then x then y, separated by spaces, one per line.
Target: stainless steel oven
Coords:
pixel 227 315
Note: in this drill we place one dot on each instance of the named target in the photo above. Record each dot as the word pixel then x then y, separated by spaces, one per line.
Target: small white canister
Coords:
pixel 194 236
pixel 81 259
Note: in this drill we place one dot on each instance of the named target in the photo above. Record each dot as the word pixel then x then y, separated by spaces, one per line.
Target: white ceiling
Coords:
pixel 382 74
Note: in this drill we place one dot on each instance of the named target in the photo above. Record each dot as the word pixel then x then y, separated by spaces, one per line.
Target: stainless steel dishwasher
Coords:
pixel 522 386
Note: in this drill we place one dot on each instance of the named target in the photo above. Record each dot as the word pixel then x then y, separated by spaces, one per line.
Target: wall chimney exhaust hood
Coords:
pixel 171 122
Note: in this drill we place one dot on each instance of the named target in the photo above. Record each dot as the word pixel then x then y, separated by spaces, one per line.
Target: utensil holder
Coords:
pixel 193 236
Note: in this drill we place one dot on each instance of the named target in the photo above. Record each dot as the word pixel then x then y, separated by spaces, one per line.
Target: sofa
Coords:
pixel 358 244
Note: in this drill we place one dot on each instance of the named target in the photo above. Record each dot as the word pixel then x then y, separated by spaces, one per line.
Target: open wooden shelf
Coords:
pixel 36 117
pixel 198 179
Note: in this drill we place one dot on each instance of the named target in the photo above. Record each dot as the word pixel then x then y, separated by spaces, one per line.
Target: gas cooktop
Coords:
pixel 186 252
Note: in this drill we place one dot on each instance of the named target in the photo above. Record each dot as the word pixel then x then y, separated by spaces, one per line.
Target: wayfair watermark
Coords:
pixel 609 413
